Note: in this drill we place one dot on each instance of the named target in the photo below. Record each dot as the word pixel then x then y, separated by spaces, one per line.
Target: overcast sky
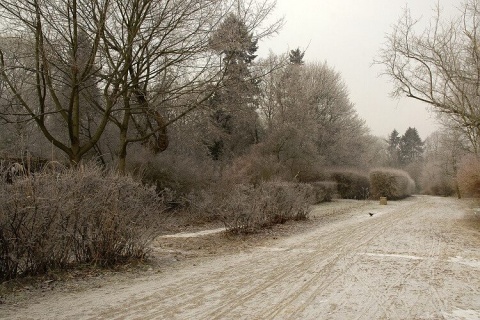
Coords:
pixel 348 34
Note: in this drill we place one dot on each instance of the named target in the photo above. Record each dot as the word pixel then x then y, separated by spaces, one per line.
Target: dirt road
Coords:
pixel 414 259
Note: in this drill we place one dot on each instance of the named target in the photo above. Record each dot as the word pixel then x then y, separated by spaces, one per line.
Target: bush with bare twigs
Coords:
pixel 176 172
pixel 391 183
pixel 247 208
pixel 56 220
pixel 468 176
pixel 435 181
pixel 351 184
pixel 324 191
pixel 255 168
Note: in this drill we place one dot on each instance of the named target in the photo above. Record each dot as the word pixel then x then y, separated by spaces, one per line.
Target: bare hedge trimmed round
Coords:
pixel 391 183
pixel 351 184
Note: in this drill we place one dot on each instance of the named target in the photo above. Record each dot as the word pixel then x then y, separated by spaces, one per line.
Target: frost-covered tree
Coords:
pixel 310 119
pixel 296 56
pixel 411 146
pixel 119 49
pixel 234 103
pixel 439 64
pixel 443 153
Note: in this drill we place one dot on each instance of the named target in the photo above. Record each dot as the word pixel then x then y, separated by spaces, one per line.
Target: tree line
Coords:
pixel 133 83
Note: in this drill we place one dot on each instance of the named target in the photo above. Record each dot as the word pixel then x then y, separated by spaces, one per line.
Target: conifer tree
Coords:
pixel 394 148
pixel 233 117
pixel 296 57
pixel 411 146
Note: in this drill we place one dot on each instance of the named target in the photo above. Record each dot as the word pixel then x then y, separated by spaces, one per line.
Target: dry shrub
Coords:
pixel 351 184
pixel 436 182
pixel 325 191
pixel 254 168
pixel 79 216
pixel 311 172
pixel 391 183
pixel 179 173
pixel 247 208
pixel 468 176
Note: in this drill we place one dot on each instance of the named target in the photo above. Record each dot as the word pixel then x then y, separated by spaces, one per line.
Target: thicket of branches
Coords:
pixel 61 219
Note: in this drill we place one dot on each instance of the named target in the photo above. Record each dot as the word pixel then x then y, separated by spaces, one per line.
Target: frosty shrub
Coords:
pixel 434 181
pixel 468 176
pixel 254 168
pixel 391 183
pixel 245 208
pixel 351 184
pixel 179 173
pixel 78 216
pixel 324 191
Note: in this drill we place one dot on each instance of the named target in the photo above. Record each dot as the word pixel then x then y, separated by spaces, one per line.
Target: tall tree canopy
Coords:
pixel 394 148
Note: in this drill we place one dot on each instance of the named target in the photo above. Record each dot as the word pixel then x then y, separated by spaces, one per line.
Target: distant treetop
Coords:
pixel 296 56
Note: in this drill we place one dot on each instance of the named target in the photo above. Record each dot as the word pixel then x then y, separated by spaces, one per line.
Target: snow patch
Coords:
pixel 277 249
pixel 468 262
pixel 460 314
pixel 388 255
pixel 193 234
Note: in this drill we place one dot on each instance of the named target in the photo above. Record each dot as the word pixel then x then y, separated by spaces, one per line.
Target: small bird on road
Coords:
pixel 371 214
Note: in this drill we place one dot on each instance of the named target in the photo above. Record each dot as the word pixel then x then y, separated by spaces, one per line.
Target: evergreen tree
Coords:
pixel 234 118
pixel 296 57
pixel 411 146
pixel 394 148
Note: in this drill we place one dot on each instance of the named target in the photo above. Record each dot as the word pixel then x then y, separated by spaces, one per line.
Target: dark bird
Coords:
pixel 371 214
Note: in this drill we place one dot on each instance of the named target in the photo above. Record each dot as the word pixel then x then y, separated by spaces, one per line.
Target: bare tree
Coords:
pixel 439 65
pixel 444 151
pixel 155 43
pixel 309 117
pixel 48 78
pixel 139 58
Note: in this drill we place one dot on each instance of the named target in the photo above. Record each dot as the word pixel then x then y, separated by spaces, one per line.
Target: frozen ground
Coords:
pixel 414 259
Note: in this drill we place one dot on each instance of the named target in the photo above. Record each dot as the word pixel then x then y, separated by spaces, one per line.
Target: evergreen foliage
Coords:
pixel 394 148
pixel 233 120
pixel 411 146
pixel 296 57
pixel 406 149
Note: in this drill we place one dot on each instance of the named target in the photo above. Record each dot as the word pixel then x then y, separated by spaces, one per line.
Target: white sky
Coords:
pixel 348 35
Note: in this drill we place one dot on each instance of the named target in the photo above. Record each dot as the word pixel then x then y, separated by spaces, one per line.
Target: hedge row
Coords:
pixel 351 184
pixel 391 183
